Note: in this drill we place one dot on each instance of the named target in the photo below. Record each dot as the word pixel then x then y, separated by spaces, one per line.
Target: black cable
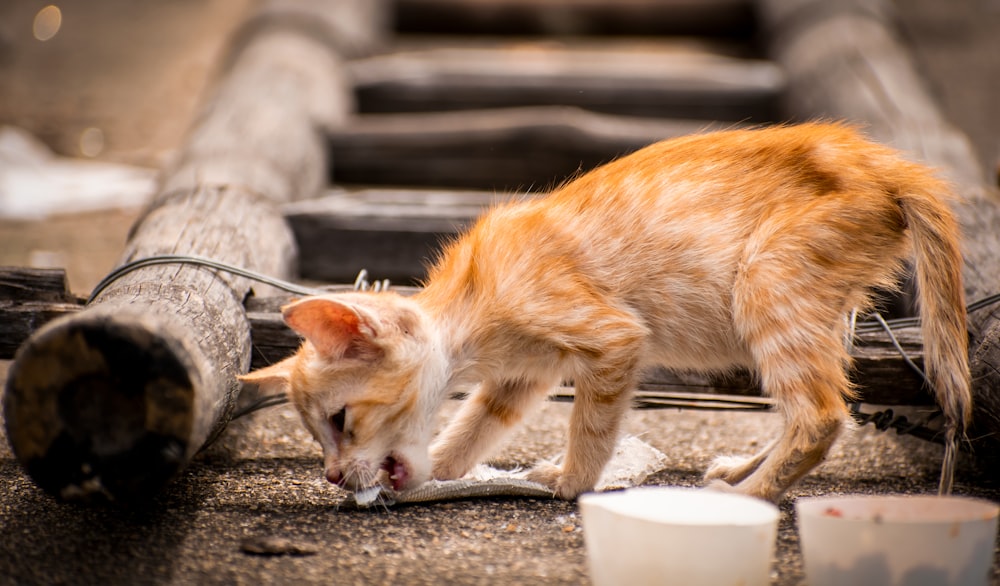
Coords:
pixel 883 420
pixel 197 261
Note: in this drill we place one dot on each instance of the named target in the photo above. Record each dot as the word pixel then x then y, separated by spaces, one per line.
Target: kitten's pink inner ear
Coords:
pixel 329 325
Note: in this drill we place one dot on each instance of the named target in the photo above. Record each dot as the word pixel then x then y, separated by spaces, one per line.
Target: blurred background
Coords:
pixel 116 82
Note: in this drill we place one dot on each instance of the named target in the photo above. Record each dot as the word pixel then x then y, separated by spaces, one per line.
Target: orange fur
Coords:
pixel 709 252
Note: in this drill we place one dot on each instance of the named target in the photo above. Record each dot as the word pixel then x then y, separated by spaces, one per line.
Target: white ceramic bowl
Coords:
pixel 897 540
pixel 661 535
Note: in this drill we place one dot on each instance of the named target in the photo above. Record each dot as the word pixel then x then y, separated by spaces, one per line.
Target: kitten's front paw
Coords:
pixel 545 473
pixel 446 463
pixel 446 470
pixel 552 476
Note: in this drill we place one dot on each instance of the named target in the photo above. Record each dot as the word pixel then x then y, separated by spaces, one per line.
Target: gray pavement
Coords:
pixel 260 488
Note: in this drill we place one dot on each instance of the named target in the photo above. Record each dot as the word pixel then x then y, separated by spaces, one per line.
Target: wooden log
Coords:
pixel 844 60
pixel 879 371
pixel 577 17
pixel 509 150
pixel 655 79
pixel 110 403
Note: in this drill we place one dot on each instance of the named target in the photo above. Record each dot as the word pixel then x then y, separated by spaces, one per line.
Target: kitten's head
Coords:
pixel 365 382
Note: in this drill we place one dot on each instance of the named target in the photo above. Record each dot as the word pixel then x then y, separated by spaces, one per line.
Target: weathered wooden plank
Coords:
pixel 880 372
pixel 393 233
pixel 577 17
pixel 30 298
pixel 34 284
pixel 844 60
pixel 111 402
pixel 509 150
pixel 660 80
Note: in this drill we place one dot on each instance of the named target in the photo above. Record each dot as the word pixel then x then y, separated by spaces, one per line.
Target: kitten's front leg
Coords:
pixel 480 424
pixel 593 433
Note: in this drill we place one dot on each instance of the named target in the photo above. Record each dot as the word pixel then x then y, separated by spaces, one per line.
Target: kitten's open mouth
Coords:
pixel 397 470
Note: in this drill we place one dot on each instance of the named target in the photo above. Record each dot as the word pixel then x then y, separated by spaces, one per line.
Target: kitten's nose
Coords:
pixel 333 475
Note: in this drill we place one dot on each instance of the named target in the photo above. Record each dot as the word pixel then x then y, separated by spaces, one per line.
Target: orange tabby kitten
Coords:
pixel 709 252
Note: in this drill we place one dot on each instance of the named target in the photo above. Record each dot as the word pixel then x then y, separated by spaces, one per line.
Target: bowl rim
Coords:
pixel 896 509
pixel 754 511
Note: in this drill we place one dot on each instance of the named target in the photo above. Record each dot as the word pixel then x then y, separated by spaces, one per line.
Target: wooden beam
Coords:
pixel 22 283
pixel 577 17
pixel 880 373
pixel 655 79
pixel 30 298
pixel 509 150
pixel 393 233
pixel 111 402
pixel 844 60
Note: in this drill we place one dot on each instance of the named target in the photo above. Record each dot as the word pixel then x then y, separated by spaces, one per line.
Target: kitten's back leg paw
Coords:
pixel 732 469
pixel 718 485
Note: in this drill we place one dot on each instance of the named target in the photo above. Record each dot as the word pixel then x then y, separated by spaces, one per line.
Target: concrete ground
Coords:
pixel 261 485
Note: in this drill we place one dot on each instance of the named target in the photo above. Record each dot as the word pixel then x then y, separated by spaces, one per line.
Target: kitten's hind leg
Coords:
pixel 481 422
pixel 791 325
pixel 809 384
pixel 803 444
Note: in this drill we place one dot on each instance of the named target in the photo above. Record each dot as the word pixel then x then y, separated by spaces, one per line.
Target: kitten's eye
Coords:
pixel 338 420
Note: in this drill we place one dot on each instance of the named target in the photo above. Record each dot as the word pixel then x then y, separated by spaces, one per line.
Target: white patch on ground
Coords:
pixel 34 183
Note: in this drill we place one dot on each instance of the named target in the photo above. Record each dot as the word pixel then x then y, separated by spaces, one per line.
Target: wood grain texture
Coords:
pixel 30 298
pixel 662 80
pixel 527 149
pixel 392 233
pixel 35 284
pixel 577 17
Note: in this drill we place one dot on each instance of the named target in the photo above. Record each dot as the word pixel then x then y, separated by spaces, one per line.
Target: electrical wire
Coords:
pixel 883 420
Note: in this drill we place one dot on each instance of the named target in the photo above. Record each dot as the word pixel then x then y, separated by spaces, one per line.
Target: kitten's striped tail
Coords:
pixel 938 269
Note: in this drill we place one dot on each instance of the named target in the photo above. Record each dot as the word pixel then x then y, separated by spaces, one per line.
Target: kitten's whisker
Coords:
pixel 382 501
pixel 345 479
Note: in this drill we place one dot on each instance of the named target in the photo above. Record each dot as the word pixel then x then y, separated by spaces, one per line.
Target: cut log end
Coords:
pixel 101 409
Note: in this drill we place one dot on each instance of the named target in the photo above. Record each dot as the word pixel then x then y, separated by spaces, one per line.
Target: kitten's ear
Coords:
pixel 335 329
pixel 271 379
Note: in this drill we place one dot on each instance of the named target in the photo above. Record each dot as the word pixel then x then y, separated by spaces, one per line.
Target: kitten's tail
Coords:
pixel 938 269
